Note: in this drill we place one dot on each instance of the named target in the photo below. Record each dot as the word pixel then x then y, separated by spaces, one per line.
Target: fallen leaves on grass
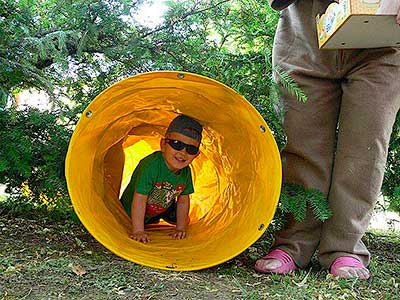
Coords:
pixel 77 269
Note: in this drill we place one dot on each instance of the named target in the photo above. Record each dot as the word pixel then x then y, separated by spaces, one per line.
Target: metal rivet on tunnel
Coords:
pixel 173 266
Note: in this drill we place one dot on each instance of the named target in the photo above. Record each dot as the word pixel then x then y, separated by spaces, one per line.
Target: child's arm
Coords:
pixel 182 217
pixel 137 216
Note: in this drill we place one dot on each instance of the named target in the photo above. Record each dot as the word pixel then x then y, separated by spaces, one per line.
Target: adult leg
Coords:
pixel 310 127
pixel 308 158
pixel 370 101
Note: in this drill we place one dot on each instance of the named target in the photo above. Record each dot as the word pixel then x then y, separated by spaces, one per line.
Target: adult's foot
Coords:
pixel 276 261
pixel 349 267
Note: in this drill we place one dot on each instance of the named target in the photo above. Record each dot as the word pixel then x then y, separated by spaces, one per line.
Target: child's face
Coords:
pixel 178 159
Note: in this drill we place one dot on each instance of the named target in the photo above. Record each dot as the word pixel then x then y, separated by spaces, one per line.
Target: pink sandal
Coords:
pixel 346 261
pixel 287 266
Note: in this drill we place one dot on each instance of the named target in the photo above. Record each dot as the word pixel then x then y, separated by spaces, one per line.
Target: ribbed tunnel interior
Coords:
pixel 237 176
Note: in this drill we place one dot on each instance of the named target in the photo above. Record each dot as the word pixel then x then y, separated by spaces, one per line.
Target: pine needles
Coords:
pixel 295 199
pixel 290 85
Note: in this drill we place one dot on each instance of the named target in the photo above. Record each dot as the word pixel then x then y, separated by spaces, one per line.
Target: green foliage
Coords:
pixel 73 50
pixel 296 200
pixel 17 56
pixel 32 155
pixel 289 84
pixel 391 181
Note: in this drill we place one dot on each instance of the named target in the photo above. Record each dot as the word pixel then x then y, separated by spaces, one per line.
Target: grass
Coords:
pixel 44 259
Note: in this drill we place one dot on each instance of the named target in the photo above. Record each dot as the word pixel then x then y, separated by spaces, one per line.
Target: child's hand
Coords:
pixel 140 236
pixel 178 234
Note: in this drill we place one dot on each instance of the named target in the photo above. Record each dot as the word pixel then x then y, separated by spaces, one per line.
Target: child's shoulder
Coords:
pixel 151 159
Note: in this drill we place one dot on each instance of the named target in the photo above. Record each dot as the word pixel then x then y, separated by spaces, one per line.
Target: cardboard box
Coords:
pixel 352 24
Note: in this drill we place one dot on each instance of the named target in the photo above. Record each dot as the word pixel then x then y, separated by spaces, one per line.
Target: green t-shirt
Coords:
pixel 153 178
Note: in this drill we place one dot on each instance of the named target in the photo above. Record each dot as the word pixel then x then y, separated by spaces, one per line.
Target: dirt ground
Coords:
pixel 44 259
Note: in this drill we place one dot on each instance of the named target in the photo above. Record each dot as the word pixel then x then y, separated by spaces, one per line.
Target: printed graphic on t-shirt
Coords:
pixel 161 197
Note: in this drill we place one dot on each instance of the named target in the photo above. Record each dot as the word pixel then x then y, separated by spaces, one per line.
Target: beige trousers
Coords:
pixel 338 140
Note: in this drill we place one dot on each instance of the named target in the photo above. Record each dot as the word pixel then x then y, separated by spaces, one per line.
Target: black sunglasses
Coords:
pixel 178 145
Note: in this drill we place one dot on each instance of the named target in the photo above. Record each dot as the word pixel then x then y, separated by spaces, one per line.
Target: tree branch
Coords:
pixel 188 14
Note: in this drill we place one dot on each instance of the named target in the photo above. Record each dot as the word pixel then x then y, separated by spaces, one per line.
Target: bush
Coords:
pixel 391 181
pixel 32 158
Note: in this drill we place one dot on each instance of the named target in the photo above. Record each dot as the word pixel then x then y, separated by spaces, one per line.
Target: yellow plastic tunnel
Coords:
pixel 237 176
